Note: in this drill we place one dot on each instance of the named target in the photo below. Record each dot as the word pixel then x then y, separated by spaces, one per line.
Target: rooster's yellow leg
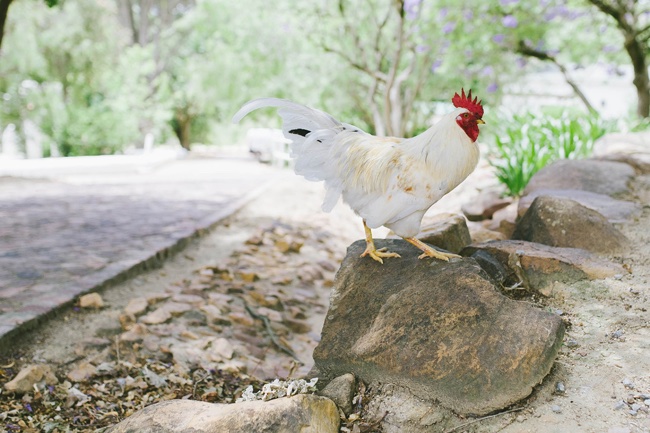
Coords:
pixel 430 252
pixel 373 252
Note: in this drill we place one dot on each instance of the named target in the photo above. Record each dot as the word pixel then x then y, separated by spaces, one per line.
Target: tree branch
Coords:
pixel 528 51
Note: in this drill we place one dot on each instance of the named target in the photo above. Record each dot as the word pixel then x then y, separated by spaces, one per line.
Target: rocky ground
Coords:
pixel 246 304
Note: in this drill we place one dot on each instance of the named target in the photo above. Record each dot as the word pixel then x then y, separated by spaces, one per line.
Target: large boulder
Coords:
pixel 439 329
pixel 303 413
pixel 616 211
pixel 562 222
pixel 538 266
pixel 602 177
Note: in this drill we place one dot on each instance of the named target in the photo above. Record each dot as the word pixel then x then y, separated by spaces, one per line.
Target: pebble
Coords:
pixel 29 376
pixel 636 407
pixel 91 300
pixel 617 334
pixel 620 405
pixel 618 276
pixel 627 383
pixel 647 402
pixel 571 343
pixel 556 409
pixel 560 388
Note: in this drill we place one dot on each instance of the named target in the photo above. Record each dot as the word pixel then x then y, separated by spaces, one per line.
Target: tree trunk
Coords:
pixel 641 80
pixel 182 125
pixel 4 8
pixel 635 46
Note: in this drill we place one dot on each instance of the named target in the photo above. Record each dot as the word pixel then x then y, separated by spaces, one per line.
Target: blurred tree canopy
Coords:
pixel 96 76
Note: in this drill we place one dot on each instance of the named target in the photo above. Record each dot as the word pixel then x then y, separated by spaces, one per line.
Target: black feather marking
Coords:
pixel 299 131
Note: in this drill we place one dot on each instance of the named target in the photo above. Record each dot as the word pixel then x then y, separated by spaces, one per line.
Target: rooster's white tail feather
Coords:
pixel 311 132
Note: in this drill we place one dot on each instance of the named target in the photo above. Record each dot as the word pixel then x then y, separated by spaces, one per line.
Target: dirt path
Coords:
pixel 604 367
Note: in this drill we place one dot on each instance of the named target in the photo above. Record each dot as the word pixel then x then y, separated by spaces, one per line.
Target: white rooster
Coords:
pixel 387 181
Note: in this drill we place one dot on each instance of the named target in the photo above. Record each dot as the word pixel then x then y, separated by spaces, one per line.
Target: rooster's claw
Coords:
pixel 378 254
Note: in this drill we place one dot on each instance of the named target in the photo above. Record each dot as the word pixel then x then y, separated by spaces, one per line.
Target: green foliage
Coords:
pixel 522 144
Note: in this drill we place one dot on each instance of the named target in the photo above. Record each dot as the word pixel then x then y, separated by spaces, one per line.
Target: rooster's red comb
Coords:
pixel 462 101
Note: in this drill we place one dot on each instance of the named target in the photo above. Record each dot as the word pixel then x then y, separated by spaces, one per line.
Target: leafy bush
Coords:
pixel 522 144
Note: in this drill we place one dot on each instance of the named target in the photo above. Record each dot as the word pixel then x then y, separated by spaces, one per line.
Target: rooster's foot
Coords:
pixel 430 252
pixel 377 254
pixel 438 255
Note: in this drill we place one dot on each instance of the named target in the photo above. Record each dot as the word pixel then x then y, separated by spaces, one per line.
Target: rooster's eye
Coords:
pixel 465 115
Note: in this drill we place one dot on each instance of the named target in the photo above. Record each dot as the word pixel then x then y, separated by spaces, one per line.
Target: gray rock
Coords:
pixel 446 231
pixel 29 376
pixel 301 413
pixel 616 211
pixel 492 266
pixel 562 222
pixel 539 266
pixel 556 409
pixel 341 391
pixel 627 383
pixel 440 329
pixel 602 177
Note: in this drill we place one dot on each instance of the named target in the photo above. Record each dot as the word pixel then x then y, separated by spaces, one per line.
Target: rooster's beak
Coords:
pixel 480 121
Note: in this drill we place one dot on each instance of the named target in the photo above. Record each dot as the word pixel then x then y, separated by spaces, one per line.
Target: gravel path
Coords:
pixel 68 235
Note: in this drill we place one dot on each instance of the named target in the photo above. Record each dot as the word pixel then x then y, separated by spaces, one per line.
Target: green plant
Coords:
pixel 522 144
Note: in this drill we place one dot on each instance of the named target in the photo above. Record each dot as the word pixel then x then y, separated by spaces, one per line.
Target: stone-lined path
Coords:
pixel 67 235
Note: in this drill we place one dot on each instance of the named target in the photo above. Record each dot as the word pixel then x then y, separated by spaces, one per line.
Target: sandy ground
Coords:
pixel 604 365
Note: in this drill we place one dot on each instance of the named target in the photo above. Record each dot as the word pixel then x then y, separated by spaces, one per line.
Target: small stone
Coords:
pixel 520 418
pixel 647 402
pixel 29 376
pixel 556 409
pixel 91 300
pixel 627 383
pixel 305 413
pixel 636 407
pixel 83 372
pixel 136 306
pixel 571 343
pixel 632 412
pixel 620 405
pixel 617 334
pixel 618 276
pixel 341 391
pixel 559 388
